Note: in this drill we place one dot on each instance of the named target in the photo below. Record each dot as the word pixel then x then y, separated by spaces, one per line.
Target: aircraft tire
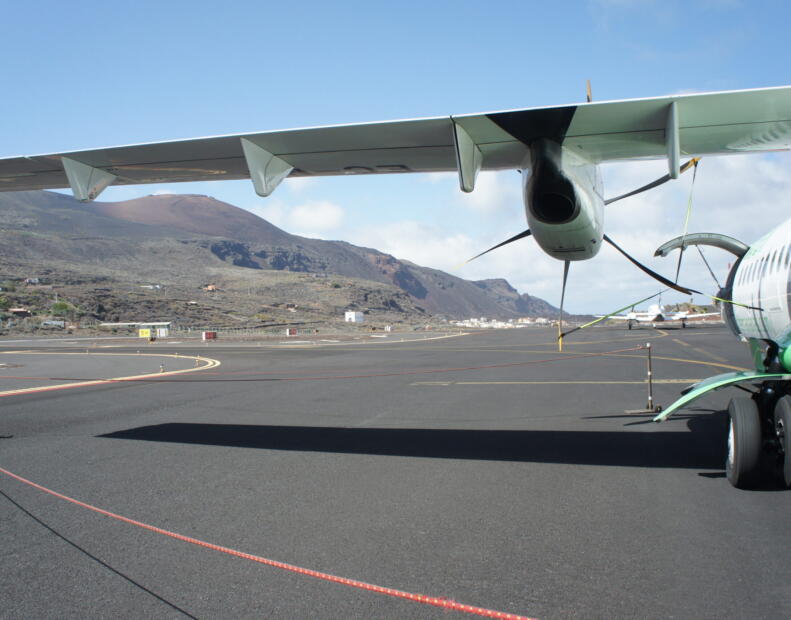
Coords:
pixel 744 443
pixel 783 426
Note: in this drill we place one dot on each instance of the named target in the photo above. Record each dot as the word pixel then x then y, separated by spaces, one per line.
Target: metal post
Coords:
pixel 650 405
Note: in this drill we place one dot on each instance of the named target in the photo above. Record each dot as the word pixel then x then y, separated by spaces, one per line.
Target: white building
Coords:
pixel 353 317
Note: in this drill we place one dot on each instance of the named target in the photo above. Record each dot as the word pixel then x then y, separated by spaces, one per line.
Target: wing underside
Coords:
pixel 726 122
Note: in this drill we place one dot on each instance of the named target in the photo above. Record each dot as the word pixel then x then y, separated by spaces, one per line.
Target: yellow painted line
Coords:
pixel 432 383
pixel 681 359
pixel 711 355
pixel 209 363
pixel 609 382
pixel 684 344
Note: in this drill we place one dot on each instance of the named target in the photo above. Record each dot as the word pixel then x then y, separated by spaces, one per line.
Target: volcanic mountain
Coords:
pixel 184 235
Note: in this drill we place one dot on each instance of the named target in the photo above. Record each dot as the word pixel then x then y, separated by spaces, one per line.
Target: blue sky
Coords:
pixel 81 75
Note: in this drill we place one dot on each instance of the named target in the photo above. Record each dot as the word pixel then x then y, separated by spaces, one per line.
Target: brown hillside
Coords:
pixel 197 214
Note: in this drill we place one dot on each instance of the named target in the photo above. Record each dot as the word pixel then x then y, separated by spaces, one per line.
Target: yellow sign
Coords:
pixel 144 333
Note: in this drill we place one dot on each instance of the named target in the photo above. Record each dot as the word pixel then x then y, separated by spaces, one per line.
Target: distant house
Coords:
pixel 20 312
pixel 210 287
pixel 32 281
pixel 353 317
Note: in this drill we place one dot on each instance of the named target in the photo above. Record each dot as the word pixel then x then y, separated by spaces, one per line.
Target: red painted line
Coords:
pixel 436 601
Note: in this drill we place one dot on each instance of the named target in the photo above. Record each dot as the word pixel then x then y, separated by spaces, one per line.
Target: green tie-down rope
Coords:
pixel 607 316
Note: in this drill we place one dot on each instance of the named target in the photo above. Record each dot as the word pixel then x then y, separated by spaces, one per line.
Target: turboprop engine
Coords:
pixel 563 203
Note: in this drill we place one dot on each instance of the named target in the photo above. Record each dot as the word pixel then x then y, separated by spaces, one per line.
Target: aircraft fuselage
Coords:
pixel 762 279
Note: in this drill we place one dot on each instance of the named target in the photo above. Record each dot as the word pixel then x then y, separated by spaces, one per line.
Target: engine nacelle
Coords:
pixel 563 207
pixel 551 197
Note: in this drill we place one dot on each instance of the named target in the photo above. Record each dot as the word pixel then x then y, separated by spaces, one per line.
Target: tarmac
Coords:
pixel 487 469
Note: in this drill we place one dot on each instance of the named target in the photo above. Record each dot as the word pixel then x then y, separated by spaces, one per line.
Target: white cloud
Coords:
pixel 419 243
pixel 272 210
pixel 313 218
pixel 315 215
pixel 494 191
pixel 300 185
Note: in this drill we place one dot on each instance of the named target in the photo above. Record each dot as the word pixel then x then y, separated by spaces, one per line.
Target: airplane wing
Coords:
pixel 679 316
pixel 696 124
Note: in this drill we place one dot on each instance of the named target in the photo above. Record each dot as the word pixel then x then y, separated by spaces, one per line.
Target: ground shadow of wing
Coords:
pixel 699 449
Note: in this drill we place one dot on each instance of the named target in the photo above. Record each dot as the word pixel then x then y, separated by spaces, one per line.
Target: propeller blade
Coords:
pixel 562 299
pixel 653 274
pixel 692 162
pixel 588 94
pixel 521 235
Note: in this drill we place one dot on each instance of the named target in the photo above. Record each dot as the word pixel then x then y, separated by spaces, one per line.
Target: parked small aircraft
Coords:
pixel 655 314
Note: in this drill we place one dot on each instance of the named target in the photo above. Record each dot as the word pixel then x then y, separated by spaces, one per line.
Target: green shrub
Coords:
pixel 61 308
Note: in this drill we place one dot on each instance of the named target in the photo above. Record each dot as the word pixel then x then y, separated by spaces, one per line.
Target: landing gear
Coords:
pixel 628 324
pixel 782 424
pixel 744 443
pixel 759 437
